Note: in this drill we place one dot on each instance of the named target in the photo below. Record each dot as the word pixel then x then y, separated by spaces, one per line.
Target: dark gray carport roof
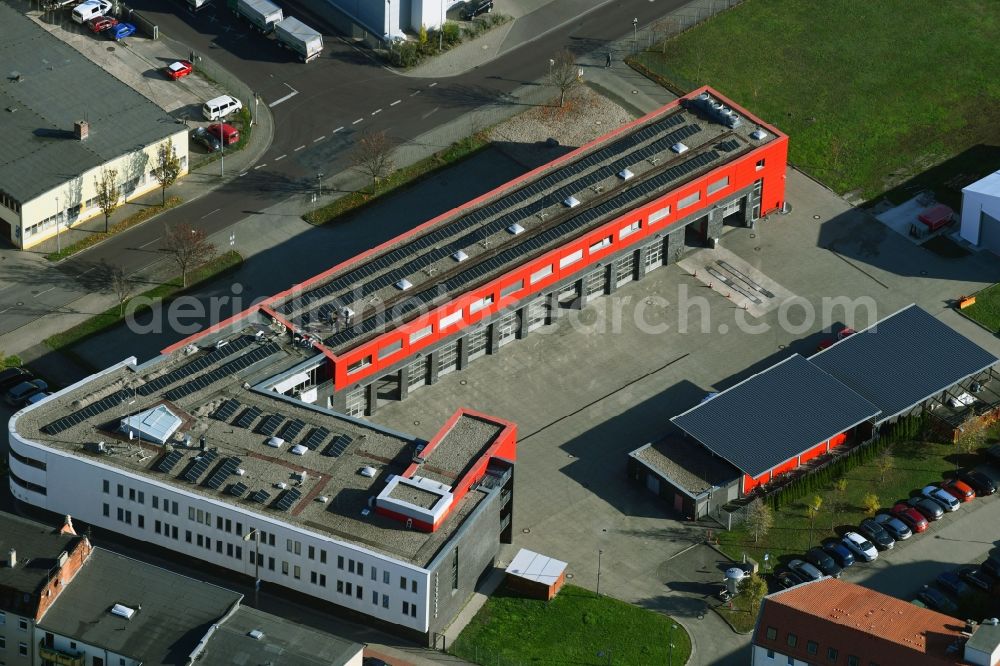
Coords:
pixel 775 415
pixel 904 359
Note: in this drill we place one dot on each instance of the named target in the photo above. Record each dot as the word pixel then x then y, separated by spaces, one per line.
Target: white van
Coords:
pixel 91 9
pixel 220 107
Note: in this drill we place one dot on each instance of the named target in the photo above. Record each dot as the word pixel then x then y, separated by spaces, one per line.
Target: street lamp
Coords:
pixel 441 29
pixel 635 35
pixel 319 184
pixel 254 535
pixel 599 553
pixel 670 643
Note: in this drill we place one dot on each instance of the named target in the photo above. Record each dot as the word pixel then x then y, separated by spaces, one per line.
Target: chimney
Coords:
pixel 67 527
pixel 81 129
pixel 11 558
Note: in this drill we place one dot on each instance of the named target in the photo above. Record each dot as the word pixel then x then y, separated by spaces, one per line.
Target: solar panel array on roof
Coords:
pixel 292 430
pixel 102 405
pixel 270 424
pixel 227 469
pixel 248 417
pixel 260 496
pixel 290 497
pixel 224 371
pixel 338 446
pixel 728 146
pixel 200 465
pixel 226 410
pixel 522 250
pixel 621 151
pixel 169 461
pixel 210 357
pixel 315 438
pixel 237 489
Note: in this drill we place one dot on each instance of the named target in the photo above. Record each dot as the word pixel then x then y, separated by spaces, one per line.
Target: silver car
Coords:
pixel 947 501
pixel 805 570
pixel 860 546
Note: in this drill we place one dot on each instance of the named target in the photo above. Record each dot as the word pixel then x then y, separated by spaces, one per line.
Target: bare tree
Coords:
pixel 167 168
pixel 564 74
pixel 188 247
pixel 812 510
pixel 122 285
pixel 373 156
pixel 884 462
pixel 760 519
pixel 109 193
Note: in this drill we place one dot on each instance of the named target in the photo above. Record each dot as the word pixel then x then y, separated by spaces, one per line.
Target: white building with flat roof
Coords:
pixel 981 213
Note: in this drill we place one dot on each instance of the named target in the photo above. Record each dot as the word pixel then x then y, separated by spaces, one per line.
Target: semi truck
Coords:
pixel 297 36
pixel 262 14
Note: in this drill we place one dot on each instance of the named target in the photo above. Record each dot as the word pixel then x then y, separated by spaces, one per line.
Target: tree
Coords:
pixel 971 435
pixel 109 194
pixel 564 74
pixel 760 519
pixel 871 504
pixel 189 248
pixel 751 592
pixel 840 488
pixel 812 510
pixel 167 167
pixel 373 156
pixel 884 462
pixel 122 285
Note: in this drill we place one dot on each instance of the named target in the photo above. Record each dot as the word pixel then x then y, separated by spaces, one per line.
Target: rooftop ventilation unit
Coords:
pixel 275 442
pixel 404 284
pixel 679 148
pixel 515 229
pixel 571 202
pixel 122 611
pixel 256 634
pixel 716 110
pixel 758 134
pixel 299 450
pixel 459 256
pixel 368 471
pixel 625 174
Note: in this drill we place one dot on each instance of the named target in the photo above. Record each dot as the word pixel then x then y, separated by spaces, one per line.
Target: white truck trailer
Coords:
pixel 297 36
pixel 262 14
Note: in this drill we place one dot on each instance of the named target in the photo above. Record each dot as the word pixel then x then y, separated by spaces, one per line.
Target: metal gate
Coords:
pixel 448 358
pixel 477 342
pixel 625 269
pixel 507 328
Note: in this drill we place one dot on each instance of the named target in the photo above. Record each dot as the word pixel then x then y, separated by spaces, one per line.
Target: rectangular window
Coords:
pixel 322 580
pixel 121 490
pixel 389 350
pixel 322 556
pixel 658 215
pixel 142 497
pixel 359 364
pixel 22 649
pixel 770 654
pixel 375 597
pixel 482 303
pixel 772 634
pixel 374 573
pixel 852 660
pixel 359 592
pixel 311 552
pixel 689 200
pixel 106 486
pixel 229 525
pixel 385 601
pixel 218 547
pixel 177 508
pixel 128 517
pixel 340 586
pixel 239 529
pixel 402 582
pixel 340 561
pixel 200 539
pixel 717 185
pixel 406 608
pixel 288 545
pixel 421 334
pixel 350 566
pixel 831 654
pixel 361 568
pixel 218 523
pixel 448 320
pixel 792 640
pixel 142 521
pixel 157 525
pixel 413 586
pixel 107 511
pixel 385 577
pixel 156 502
pixel 284 567
pixel 541 274
pixel 348 588
pixel 312 577
pixel 760 163
pixel 121 514
pixel 173 532
pixel 22 624
pixel 600 245
pixel 3 643
pixel 297 572
pixel 571 259
pixel 625 232
pixel 201 517
pixel 812 647
pixel 187 535
pixel 229 549
pixel 512 288
pixel 190 513
pixel 413 610
pixel 270 564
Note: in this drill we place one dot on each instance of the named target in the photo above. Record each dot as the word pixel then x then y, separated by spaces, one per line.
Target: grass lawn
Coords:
pixel 986 309
pixel 739 618
pixel 112 316
pixel 571 629
pixel 916 465
pixel 871 93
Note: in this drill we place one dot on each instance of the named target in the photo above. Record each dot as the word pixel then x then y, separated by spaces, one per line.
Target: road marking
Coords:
pixel 145 244
pixel 259 166
pixel 44 292
pixel 376 112
pixel 211 213
pixel 278 159
pixel 428 114
pixel 92 268
pixel 243 174
pixel 4 310
pixel 433 84
pixel 338 129
pixel 319 138
pixel 285 98
pixel 299 148
pixel 415 92
pixel 357 121
pixel 396 102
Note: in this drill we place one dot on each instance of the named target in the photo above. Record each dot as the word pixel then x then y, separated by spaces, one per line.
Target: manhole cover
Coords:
pixel 526 530
pixel 569 575
pixel 815 217
pixel 111 49
pixel 781 346
pixel 416 423
pixel 757 249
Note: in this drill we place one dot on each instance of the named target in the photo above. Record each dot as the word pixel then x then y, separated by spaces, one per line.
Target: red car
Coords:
pixel 227 134
pixel 178 70
pixel 962 491
pixel 913 518
pixel 101 23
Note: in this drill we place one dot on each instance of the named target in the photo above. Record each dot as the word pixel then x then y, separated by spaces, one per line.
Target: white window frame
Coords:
pixel 541 274
pixel 450 320
pixel 421 334
pixel 658 215
pixel 689 200
pixel 360 364
pixel 718 185
pixel 570 259
pixel 627 231
pixel 393 348
pixel 481 303
pixel 600 245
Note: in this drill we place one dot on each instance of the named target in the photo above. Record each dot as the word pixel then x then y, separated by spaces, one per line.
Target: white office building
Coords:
pixel 981 213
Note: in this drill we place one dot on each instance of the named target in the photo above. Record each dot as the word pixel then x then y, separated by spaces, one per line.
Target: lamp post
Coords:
pixel 441 29
pixel 222 147
pixel 670 645
pixel 255 536
pixel 635 35
pixel 58 224
pixel 599 553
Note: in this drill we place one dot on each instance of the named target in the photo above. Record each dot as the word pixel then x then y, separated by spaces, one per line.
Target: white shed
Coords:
pixel 981 213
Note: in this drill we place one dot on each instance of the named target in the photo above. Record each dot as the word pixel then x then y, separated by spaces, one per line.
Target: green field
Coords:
pixel 986 309
pixel 576 627
pixel 871 93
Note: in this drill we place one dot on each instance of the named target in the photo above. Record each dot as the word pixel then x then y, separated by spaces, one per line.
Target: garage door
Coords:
pixel 5 231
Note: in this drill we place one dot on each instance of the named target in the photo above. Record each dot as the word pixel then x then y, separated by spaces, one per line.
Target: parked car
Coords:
pixel 947 501
pixel 209 142
pixel 877 534
pixel 36 397
pixel 973 576
pixel 474 8
pixel 227 134
pixel 950 581
pixel 913 518
pixel 936 600
pixel 12 376
pixel 805 570
pixel 896 528
pixel 860 546
pixel 821 559
pixel 840 553
pixel 982 484
pixel 927 507
pixel 787 579
pixel 101 23
pixel 16 396
pixel 120 31
pixel 961 491
pixel 178 70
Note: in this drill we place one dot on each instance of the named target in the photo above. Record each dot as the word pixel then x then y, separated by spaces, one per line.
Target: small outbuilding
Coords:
pixel 981 213
pixel 535 575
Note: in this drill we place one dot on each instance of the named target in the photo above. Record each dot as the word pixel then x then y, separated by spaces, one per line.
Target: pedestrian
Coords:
pixel 607 62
